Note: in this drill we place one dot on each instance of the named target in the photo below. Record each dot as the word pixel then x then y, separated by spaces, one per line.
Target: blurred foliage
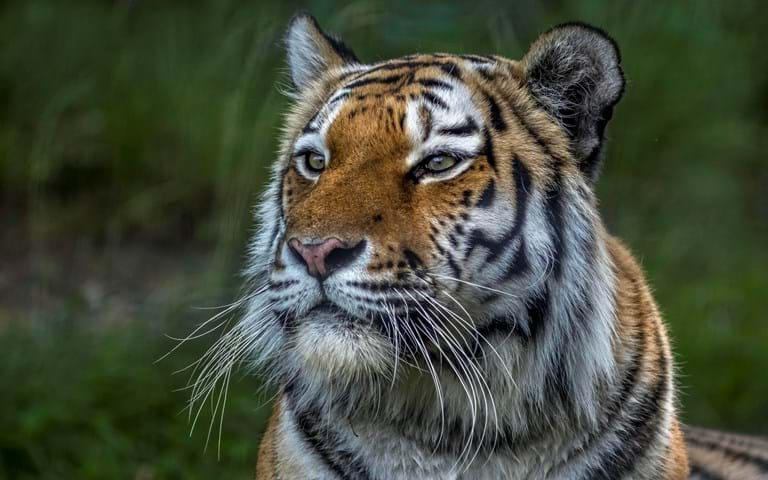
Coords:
pixel 153 124
pixel 84 405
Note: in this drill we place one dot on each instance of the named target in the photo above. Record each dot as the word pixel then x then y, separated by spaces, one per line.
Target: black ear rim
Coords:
pixel 614 46
pixel 591 164
pixel 339 47
pixel 592 28
pixel 605 36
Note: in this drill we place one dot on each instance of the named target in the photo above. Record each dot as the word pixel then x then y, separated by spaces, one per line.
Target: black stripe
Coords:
pixel 427 118
pixel 497 120
pixel 325 442
pixel 641 429
pixel 434 100
pixel 486 74
pixel 337 98
pixel 383 286
pixel 451 69
pixel 618 401
pixel 309 128
pixel 477 58
pixel 393 302
pixel 279 201
pixel 414 261
pixel 454 266
pixel 537 309
pixel 700 473
pixel 463 130
pixel 282 284
pixel 434 83
pixel 760 463
pixel 339 47
pixel 519 265
pixel 466 198
pixel 732 440
pixel 453 240
pixel 556 383
pixel 346 75
pixel 490 156
pixel 522 180
pixel 486 198
pixel 307 427
pixel 525 329
pixel 501 326
pixel 523 122
pixel 448 67
pixel 374 81
pixel 554 210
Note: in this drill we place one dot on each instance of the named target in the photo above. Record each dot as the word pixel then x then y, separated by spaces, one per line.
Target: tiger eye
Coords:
pixel 440 163
pixel 315 161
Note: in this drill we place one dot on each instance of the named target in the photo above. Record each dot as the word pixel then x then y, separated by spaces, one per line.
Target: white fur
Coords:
pixel 305 61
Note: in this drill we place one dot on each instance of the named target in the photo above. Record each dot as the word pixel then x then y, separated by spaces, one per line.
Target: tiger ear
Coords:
pixel 312 52
pixel 574 72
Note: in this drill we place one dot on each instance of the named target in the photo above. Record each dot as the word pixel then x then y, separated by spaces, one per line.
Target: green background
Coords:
pixel 135 135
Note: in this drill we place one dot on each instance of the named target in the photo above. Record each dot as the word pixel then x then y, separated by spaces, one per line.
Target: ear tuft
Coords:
pixel 312 52
pixel 574 72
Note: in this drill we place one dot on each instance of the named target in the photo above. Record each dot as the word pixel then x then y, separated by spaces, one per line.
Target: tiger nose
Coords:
pixel 326 257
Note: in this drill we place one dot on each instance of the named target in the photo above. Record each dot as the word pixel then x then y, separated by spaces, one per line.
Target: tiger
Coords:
pixel 432 291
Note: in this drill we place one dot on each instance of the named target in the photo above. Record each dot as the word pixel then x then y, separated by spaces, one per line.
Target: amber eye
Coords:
pixel 440 163
pixel 315 162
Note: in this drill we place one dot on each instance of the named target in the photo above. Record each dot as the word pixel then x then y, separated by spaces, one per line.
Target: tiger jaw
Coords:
pixel 333 343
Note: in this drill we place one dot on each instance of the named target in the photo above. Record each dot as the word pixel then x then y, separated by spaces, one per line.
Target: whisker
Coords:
pixel 433 373
pixel 233 306
pixel 470 328
pixel 486 391
pixel 472 397
pixel 487 396
pixel 476 285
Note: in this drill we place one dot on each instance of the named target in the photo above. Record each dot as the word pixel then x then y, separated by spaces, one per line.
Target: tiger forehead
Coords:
pixel 370 130
pixel 374 108
pixel 438 63
pixel 409 78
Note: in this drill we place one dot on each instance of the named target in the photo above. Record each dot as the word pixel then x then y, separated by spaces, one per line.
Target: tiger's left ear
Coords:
pixel 574 72
pixel 312 52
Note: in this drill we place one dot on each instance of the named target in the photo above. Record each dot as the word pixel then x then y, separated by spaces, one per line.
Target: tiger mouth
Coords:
pixel 334 316
pixel 328 311
pixel 328 307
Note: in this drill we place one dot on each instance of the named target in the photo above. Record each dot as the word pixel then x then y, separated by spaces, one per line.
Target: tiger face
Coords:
pixel 420 206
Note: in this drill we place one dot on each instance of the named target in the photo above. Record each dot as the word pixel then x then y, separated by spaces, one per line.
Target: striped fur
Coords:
pixel 724 456
pixel 489 327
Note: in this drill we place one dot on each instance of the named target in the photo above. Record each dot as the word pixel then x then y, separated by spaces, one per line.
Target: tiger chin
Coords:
pixel 432 290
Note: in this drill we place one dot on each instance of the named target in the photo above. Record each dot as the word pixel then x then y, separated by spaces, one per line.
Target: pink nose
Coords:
pixel 325 257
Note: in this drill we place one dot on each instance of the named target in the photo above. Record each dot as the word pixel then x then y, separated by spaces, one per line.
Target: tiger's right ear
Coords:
pixel 312 52
pixel 574 73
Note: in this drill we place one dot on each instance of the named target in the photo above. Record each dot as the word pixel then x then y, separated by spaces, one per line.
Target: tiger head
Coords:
pixel 433 208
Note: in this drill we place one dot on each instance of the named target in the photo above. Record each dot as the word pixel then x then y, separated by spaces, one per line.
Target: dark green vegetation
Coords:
pixel 134 136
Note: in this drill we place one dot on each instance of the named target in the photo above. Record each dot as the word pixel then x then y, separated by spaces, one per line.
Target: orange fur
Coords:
pixel 267 467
